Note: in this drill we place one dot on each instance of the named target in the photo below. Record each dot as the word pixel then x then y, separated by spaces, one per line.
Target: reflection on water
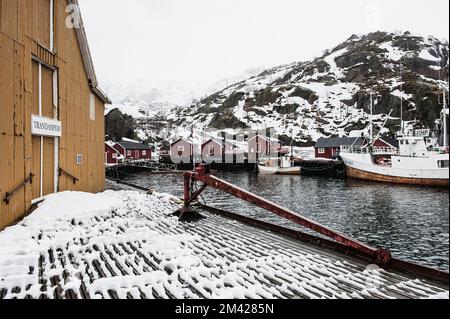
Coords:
pixel 412 222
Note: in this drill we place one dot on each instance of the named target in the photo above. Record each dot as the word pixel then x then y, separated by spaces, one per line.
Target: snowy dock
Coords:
pixel 125 244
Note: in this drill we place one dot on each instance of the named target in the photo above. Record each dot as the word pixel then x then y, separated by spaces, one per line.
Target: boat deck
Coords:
pixel 137 252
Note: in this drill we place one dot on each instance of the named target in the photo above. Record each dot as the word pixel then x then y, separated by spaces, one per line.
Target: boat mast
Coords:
pixel 402 128
pixel 371 118
pixel 292 149
pixel 445 121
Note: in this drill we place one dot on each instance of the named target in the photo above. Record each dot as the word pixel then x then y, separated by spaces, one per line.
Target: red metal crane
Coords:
pixel 202 174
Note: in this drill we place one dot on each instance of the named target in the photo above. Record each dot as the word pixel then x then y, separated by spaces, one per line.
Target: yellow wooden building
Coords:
pixel 51 109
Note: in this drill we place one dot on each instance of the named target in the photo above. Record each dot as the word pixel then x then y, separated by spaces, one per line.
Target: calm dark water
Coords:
pixel 412 222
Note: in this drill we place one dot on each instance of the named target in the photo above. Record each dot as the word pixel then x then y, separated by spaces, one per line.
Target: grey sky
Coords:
pixel 203 41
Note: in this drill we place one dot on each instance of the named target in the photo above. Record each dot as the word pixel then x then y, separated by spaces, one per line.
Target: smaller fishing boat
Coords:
pixel 279 166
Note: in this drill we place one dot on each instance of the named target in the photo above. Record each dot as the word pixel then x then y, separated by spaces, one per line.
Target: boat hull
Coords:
pixel 370 176
pixel 275 170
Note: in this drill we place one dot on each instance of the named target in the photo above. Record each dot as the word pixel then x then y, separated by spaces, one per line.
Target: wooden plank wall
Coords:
pixel 21 29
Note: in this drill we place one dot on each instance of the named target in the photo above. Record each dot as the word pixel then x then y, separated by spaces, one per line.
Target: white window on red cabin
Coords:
pixel 129 153
pixel 114 155
pixel 144 153
pixel 321 151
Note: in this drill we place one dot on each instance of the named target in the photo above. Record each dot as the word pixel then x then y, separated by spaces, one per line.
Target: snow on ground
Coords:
pixel 426 55
pixel 125 244
pixel 393 53
pixel 331 60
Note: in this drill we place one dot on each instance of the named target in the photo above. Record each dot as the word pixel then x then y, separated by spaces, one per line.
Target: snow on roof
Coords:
pixel 124 139
pixel 127 244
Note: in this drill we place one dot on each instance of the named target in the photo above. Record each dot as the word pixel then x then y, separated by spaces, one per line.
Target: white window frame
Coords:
pixel 114 155
pixel 321 150
pixel 79 159
pixel 181 148
pixel 92 107
pixel 144 153
pixel 129 153
pixel 55 116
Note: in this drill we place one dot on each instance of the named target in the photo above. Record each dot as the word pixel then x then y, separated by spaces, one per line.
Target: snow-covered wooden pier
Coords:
pixel 125 244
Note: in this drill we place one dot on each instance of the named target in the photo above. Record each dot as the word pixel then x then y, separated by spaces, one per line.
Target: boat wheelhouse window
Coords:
pixel 443 164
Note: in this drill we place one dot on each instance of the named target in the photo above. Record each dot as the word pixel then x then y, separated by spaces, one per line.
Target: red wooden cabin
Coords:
pixel 134 151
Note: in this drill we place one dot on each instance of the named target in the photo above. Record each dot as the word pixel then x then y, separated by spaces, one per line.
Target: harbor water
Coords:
pixel 412 222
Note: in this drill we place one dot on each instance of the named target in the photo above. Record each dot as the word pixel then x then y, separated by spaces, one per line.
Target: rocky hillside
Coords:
pixel 330 95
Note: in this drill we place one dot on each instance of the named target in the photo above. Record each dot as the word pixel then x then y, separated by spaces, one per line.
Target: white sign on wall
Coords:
pixel 44 126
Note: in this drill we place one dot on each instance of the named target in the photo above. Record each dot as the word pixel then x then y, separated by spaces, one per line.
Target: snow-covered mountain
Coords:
pixel 142 100
pixel 327 96
pixel 330 95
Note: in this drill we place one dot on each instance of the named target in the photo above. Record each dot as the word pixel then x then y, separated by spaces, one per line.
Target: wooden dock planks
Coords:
pixel 221 253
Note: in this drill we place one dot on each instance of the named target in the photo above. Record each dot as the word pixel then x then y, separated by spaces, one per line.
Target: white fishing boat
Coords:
pixel 420 160
pixel 282 166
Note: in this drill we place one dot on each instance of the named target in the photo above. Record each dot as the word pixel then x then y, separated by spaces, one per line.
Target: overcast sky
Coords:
pixel 203 41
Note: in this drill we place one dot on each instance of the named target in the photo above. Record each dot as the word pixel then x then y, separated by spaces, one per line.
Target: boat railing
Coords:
pixel 376 150
pixel 354 149
pixel 385 151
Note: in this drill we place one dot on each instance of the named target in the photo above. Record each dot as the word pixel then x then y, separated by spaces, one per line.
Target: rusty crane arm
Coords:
pixel 202 174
